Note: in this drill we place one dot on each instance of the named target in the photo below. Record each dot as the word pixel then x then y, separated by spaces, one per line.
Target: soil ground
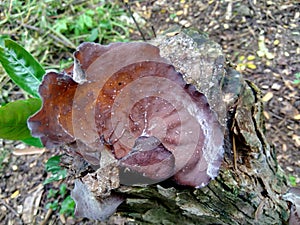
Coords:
pixel 262 38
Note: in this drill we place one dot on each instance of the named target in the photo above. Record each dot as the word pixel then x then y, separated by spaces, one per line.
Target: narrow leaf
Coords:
pixel 22 68
pixel 13 118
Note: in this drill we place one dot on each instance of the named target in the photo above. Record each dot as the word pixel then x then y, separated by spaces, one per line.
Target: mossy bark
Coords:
pixel 250 184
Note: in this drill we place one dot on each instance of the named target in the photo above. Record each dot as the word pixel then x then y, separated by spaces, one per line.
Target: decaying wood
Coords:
pixel 248 193
pixel 250 184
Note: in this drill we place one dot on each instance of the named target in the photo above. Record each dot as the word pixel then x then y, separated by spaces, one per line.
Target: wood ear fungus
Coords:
pixel 126 98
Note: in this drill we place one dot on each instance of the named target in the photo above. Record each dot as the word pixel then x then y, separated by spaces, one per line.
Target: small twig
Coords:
pixel 229 10
pixel 63 38
pixel 28 151
pixel 153 30
pixel 136 24
pixel 215 8
pixel 9 207
pixel 49 212
pixel 259 209
pixel 79 2
pixel 60 39
pixel 251 31
pixel 234 153
pixel 4 81
pixel 252 6
pixel 10 6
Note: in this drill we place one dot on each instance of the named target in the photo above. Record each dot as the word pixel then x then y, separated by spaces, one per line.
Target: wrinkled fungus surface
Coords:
pixel 88 206
pixel 127 99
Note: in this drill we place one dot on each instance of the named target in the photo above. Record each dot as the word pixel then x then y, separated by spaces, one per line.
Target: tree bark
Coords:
pixel 250 184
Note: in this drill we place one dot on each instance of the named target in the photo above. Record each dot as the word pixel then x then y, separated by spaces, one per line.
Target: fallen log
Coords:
pixel 230 175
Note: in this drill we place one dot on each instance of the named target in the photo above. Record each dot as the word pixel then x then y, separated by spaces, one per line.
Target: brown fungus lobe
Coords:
pixel 129 100
pixel 53 123
pixel 148 157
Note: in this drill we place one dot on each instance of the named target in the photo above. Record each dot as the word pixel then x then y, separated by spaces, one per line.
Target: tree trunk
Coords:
pixel 250 184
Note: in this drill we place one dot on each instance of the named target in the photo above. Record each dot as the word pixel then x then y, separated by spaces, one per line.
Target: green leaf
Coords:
pixel 13 118
pixel 100 11
pixel 52 166
pixel 90 12
pixel 292 180
pixel 2 38
pixel 93 36
pixel 67 206
pixel 61 25
pixel 22 68
pixel 59 175
pixel 53 205
pixel 80 23
pixel 63 189
pixel 33 142
pixel 88 21
pixel 106 25
pixel 52 193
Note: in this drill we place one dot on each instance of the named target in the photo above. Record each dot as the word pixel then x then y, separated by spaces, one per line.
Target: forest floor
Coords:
pixel 262 38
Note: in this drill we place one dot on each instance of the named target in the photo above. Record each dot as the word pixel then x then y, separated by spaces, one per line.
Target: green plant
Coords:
pixel 27 73
pixel 105 22
pixel 297 78
pixel 50 28
pixel 59 199
pixel 292 180
pixel 67 206
pixel 57 172
pixel 172 16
